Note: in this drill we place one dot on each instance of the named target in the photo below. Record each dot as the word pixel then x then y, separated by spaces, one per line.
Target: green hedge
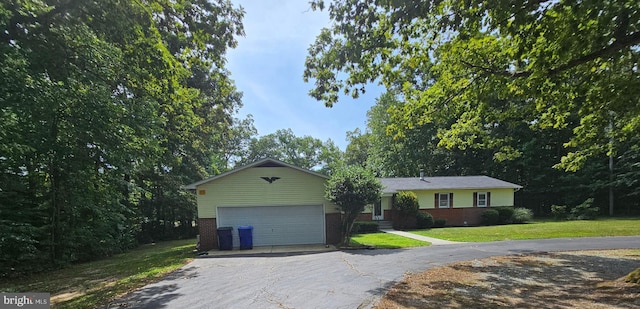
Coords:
pixel 505 213
pixel 439 222
pixel 522 215
pixel 424 220
pixel 362 227
pixel 490 217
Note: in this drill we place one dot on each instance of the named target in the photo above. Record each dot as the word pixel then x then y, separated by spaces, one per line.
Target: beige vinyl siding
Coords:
pixel 501 197
pixel 246 188
pixel 386 202
pixel 464 198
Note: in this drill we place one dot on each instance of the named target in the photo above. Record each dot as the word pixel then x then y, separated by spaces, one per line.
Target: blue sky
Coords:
pixel 268 64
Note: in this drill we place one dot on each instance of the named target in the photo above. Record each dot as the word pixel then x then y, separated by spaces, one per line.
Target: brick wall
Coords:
pixel 208 233
pixel 388 216
pixel 332 228
pixel 364 217
pixel 457 216
pixel 454 216
pixel 403 222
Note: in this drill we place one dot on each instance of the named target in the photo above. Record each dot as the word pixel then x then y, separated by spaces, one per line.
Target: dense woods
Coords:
pixel 540 93
pixel 106 109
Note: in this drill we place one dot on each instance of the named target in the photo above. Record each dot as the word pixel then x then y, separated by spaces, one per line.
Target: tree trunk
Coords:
pixel 347 224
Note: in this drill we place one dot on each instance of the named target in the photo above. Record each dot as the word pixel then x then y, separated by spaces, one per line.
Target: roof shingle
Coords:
pixel 393 185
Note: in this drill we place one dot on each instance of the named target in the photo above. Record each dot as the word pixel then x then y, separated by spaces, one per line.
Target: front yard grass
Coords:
pixel 91 284
pixel 538 230
pixel 385 241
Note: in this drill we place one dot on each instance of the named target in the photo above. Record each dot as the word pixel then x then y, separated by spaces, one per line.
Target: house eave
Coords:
pixel 194 186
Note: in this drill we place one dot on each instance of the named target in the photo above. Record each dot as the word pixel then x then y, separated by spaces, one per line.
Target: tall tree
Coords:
pixel 106 107
pixel 553 64
pixel 306 152
pixel 351 188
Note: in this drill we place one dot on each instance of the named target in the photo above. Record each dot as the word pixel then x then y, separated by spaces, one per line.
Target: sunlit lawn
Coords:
pixel 385 241
pixel 538 230
pixel 91 284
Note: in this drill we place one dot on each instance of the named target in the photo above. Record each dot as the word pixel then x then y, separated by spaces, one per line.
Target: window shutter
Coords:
pixel 488 199
pixel 451 200
pixel 436 200
pixel 475 199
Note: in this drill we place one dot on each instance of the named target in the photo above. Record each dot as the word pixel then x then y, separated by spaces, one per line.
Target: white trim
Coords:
pixel 440 199
pixel 194 185
pixel 478 199
pixel 373 212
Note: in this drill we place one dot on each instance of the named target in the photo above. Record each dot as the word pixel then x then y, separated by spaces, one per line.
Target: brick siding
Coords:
pixel 458 216
pixel 332 228
pixel 208 233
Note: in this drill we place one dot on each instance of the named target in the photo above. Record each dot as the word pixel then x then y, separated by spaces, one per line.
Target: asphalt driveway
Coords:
pixel 339 279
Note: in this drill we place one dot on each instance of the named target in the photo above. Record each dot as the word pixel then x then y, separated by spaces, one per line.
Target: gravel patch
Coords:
pixel 574 279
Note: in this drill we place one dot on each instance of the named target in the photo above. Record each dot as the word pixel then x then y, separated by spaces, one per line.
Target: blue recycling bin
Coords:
pixel 246 237
pixel 225 238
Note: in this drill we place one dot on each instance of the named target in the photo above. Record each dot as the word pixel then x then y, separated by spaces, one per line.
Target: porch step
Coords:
pixel 385 225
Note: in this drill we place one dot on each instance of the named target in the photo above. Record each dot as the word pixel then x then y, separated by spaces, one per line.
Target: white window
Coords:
pixel 482 199
pixel 443 200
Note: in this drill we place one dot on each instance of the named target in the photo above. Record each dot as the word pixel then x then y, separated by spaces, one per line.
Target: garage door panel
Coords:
pixel 276 225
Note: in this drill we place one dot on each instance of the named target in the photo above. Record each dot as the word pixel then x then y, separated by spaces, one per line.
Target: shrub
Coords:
pixel 559 212
pixel 439 222
pixel 504 214
pixel 584 211
pixel 424 220
pixel 633 277
pixel 363 227
pixel 407 203
pixel 490 217
pixel 522 215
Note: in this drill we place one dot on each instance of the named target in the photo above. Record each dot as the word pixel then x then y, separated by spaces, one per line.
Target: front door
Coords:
pixel 378 214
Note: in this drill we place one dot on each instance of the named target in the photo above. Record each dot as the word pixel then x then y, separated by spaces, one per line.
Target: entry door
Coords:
pixel 378 214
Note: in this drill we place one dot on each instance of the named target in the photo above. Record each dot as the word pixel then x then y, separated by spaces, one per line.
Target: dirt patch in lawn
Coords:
pixel 584 279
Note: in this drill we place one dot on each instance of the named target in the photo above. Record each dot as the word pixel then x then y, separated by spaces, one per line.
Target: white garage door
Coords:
pixel 276 225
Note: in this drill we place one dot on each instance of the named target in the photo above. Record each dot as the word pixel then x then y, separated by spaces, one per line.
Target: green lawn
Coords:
pixel 385 241
pixel 88 285
pixel 538 230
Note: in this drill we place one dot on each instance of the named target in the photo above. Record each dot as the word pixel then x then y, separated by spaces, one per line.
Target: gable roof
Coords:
pixel 266 162
pixel 393 185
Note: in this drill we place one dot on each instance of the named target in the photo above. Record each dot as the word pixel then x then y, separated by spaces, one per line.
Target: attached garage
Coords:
pixel 285 205
pixel 277 225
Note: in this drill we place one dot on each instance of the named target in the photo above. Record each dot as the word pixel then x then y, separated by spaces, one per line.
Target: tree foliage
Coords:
pixel 305 152
pixel 477 68
pixel 351 188
pixel 406 202
pixel 106 109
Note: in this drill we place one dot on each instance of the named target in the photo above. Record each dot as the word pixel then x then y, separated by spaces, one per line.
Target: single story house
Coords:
pixel 285 204
pixel 460 200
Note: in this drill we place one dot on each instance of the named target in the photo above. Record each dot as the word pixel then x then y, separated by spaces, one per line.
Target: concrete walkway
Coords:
pixel 433 241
